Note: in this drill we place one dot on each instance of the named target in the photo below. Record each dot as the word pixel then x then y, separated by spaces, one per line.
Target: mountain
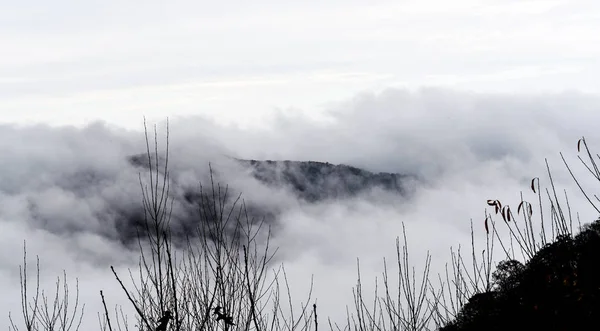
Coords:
pixel 316 181
pixel 319 181
pixel 309 181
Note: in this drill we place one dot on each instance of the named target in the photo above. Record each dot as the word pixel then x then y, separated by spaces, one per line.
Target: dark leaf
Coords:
pixel 519 208
pixel 533 184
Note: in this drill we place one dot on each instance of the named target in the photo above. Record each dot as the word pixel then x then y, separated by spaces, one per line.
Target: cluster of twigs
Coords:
pixel 41 314
pixel 222 277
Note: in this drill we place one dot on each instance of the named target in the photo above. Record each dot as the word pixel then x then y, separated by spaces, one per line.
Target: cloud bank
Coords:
pixel 65 190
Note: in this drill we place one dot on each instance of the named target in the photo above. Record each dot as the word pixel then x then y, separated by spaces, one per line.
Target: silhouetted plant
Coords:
pixel 221 278
pixel 40 314
pixel 402 305
pixel 558 285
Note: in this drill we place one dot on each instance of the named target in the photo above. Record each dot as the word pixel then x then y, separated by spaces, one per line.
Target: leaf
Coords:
pixel 533 184
pixel 519 208
pixel 491 202
pixel 498 206
pixel 506 213
pixel 487 229
pixel 579 145
pixel 530 210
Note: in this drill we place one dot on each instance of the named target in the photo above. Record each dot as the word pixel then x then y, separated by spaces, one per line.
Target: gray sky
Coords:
pixel 472 95
pixel 72 61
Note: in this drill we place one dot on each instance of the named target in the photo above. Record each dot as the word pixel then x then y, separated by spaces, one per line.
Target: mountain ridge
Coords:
pixel 315 181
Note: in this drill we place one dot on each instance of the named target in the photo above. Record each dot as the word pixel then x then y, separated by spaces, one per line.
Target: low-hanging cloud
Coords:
pixel 72 187
pixel 425 132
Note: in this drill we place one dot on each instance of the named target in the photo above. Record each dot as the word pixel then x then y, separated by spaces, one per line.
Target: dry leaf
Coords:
pixel 487 229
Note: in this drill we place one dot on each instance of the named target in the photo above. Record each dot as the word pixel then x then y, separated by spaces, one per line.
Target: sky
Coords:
pixel 471 96
pixel 71 62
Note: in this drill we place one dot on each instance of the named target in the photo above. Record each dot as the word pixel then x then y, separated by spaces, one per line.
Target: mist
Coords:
pixel 69 192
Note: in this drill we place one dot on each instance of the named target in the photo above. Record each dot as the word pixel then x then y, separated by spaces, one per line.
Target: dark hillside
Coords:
pixel 558 289
pixel 318 181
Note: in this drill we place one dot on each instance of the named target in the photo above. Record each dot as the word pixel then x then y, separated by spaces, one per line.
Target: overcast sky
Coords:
pixel 469 95
pixel 71 61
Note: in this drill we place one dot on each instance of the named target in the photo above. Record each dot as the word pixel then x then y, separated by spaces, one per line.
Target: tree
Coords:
pixel 223 275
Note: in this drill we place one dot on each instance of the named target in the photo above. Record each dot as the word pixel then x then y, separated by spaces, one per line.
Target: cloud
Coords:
pixel 425 132
pixel 63 188
pixel 111 61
